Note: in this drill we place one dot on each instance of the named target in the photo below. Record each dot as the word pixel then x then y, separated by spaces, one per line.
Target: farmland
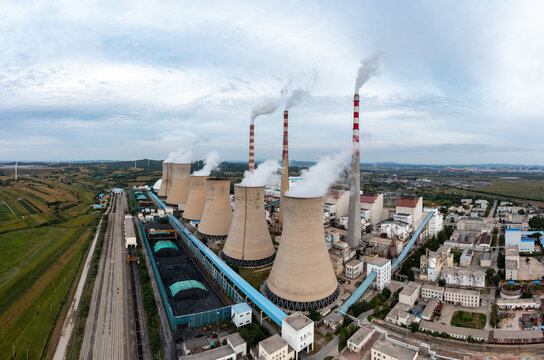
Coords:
pixel 45 228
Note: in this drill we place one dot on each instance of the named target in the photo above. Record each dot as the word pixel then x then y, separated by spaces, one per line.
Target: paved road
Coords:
pixel 71 317
pixel 107 329
pixel 331 349
pixel 492 211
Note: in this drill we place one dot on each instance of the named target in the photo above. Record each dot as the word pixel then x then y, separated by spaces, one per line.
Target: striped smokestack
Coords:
pixel 251 147
pixel 354 218
pixel 284 163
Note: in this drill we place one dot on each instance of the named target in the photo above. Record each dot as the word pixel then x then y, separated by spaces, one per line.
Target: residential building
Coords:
pixel 462 297
pixel 382 267
pixel 410 293
pixel 354 268
pixel 298 331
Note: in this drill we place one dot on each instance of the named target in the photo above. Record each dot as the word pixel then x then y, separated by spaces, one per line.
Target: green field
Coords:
pixel 523 188
pixel 45 231
pixel 468 320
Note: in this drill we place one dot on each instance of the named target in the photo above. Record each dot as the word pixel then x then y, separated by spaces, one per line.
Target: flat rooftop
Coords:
pixel 379 261
pixel 394 350
pixel 359 335
pixel 410 288
pixel 273 344
pixel 298 320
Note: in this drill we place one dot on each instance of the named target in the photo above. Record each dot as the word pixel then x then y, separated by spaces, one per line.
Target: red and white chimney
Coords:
pixel 284 163
pixel 251 147
pixel 354 217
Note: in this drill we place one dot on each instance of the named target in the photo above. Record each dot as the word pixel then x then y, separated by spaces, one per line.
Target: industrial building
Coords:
pixel 248 242
pixel 514 237
pixel 274 348
pixel 298 331
pixel 430 291
pixel 373 203
pixel 432 263
pixel 217 214
pixel 302 277
pixel 410 293
pixel 511 262
pixel 462 297
pixel 358 340
pixel 411 206
pixel 382 268
pixel 464 277
pixel 240 314
pixel 354 268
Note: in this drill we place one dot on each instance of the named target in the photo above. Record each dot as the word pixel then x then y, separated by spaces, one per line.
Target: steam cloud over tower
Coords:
pixel 354 218
pixel 179 187
pixel 249 242
pixel 196 199
pixel 302 277
pixel 284 163
pixel 165 180
pixel 217 215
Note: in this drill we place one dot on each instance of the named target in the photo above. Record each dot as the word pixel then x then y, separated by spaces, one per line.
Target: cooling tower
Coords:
pixel 217 214
pixel 354 217
pixel 249 242
pixel 284 163
pixel 179 184
pixel 196 199
pixel 302 277
pixel 169 177
pixel 164 184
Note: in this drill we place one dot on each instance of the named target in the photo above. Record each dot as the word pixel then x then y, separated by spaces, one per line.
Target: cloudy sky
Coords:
pixel 460 81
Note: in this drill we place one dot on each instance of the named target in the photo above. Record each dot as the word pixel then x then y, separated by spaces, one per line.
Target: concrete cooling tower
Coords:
pixel 196 199
pixel 249 243
pixel 217 215
pixel 302 277
pixel 179 184
pixel 165 180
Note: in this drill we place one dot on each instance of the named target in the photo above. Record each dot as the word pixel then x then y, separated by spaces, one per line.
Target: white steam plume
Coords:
pixel 183 155
pixel 260 176
pixel 210 163
pixel 316 180
pixel 369 67
pixel 296 96
pixel 267 107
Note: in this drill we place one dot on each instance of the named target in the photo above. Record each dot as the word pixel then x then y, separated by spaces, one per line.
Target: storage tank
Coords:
pixel 432 261
pixel 165 180
pixel 249 242
pixel 196 199
pixel 217 214
pixel 179 185
pixel 302 277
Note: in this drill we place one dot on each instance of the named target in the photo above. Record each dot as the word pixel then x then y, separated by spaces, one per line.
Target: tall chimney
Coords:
pixel 165 180
pixel 284 163
pixel 251 147
pixel 354 217
pixel 302 277
pixel 248 243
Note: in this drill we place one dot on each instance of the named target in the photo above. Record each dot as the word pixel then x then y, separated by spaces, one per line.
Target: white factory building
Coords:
pixel 395 229
pixel 436 223
pixel 298 331
pixel 514 237
pixel 372 206
pixel 463 277
pixel 411 206
pixel 382 267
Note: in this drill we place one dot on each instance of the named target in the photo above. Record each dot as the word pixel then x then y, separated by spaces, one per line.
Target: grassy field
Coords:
pixel 255 277
pixel 523 188
pixel 45 231
pixel 468 320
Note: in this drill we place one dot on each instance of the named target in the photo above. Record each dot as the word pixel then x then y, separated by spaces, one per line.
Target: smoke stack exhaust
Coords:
pixel 251 147
pixel 354 218
pixel 284 163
